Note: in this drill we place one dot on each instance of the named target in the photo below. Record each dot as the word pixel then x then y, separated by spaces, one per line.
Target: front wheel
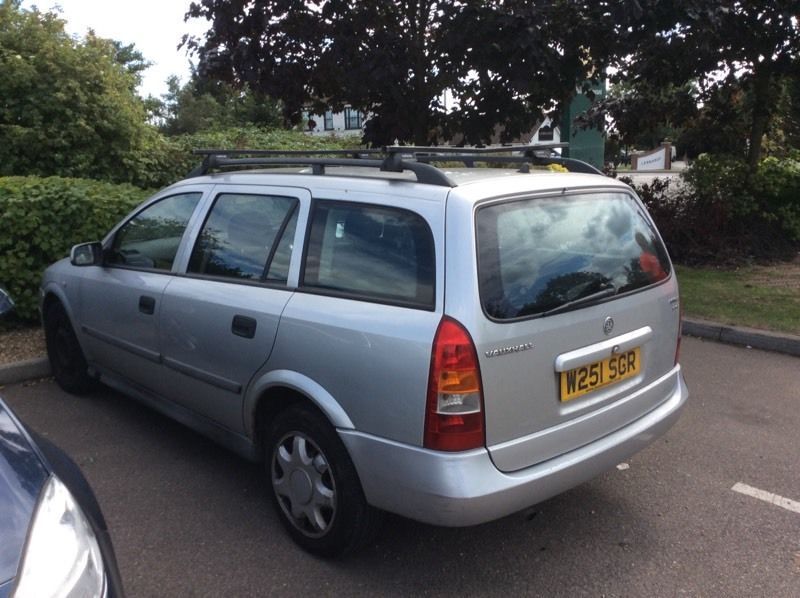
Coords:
pixel 315 486
pixel 64 352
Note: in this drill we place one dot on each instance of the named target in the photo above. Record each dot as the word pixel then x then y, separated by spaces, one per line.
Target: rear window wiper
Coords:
pixel 590 298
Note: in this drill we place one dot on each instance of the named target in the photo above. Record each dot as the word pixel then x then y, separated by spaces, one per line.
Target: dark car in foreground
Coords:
pixel 53 537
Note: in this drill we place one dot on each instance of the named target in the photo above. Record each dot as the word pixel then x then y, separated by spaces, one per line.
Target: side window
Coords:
pixel 151 238
pixel 246 237
pixel 371 252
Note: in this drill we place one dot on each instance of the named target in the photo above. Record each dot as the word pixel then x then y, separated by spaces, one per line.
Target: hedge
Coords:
pixel 724 214
pixel 165 160
pixel 41 218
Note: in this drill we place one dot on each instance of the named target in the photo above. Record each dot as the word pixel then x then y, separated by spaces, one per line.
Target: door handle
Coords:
pixel 147 305
pixel 244 326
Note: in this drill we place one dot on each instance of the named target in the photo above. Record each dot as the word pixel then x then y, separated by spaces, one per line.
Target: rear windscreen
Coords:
pixel 552 254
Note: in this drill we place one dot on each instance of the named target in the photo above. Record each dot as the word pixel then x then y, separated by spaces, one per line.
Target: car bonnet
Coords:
pixel 22 476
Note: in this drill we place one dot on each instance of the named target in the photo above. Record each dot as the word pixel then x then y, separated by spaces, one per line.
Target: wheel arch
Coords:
pixel 278 389
pixel 53 293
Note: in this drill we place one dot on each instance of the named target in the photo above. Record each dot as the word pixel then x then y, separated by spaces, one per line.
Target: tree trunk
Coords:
pixel 763 107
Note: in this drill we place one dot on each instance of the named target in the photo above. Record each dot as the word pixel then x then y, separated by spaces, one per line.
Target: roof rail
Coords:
pixel 425 173
pixel 538 155
pixel 476 149
pixel 395 158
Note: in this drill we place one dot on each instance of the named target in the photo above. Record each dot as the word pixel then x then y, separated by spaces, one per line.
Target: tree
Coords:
pixel 67 106
pixel 643 115
pixel 202 105
pixel 726 46
pixel 132 59
pixel 503 62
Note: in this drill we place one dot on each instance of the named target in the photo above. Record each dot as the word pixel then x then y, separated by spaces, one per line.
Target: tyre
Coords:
pixel 64 352
pixel 315 486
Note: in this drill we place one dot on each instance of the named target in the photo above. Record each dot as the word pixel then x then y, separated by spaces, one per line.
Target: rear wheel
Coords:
pixel 315 486
pixel 66 357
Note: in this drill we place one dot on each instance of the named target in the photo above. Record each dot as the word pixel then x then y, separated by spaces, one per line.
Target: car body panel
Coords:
pixel 207 366
pixel 22 477
pixel 519 358
pixel 365 362
pixel 27 463
pixel 208 362
pixel 465 488
pixel 374 376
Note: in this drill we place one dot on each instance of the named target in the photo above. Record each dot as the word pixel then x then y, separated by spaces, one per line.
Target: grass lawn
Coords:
pixel 756 296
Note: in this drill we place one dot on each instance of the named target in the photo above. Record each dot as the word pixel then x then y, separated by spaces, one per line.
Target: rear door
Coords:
pixel 579 321
pixel 219 318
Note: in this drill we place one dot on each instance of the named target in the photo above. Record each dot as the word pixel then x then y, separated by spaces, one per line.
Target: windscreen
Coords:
pixel 545 255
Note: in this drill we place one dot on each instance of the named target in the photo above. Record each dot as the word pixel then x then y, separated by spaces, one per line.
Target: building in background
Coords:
pixel 348 122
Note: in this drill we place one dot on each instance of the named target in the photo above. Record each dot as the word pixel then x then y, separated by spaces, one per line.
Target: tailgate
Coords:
pixel 581 322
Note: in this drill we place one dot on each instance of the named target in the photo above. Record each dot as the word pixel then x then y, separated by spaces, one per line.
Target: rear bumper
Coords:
pixel 458 489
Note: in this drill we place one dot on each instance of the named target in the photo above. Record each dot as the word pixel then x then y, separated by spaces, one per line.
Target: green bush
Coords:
pixel 724 214
pixel 777 184
pixel 41 218
pixel 165 160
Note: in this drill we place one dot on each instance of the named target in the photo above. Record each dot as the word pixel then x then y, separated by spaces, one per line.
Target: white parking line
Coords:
pixel 775 499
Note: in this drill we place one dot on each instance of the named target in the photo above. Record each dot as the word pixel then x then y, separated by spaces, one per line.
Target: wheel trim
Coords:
pixel 303 483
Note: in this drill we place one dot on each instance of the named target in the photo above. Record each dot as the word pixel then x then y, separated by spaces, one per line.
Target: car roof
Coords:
pixel 486 181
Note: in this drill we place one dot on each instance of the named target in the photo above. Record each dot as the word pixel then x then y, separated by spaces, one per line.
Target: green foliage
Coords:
pixel 202 105
pixel 68 106
pixel 722 213
pixel 777 184
pixel 169 159
pixel 41 218
pixel 643 114
pixel 726 48
pixel 501 62
pixel 719 187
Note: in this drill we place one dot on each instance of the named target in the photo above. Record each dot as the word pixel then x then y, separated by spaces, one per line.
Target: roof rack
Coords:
pixel 537 155
pixel 395 158
pixel 360 158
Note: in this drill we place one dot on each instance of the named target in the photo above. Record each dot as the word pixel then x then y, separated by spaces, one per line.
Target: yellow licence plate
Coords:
pixel 579 381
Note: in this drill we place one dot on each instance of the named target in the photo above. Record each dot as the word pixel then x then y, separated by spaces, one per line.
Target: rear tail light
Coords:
pixel 454 412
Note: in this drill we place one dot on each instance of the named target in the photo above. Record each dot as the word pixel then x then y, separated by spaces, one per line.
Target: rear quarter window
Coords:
pixel 371 253
pixel 535 255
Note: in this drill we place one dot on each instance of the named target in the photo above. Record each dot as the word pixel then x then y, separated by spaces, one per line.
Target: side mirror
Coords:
pixel 6 303
pixel 87 254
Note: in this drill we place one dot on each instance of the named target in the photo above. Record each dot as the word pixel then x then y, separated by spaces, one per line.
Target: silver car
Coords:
pixel 451 345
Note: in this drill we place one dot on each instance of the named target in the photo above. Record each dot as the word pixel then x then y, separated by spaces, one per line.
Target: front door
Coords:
pixel 120 302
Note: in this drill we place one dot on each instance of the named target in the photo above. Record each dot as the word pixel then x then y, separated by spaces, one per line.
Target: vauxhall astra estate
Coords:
pixel 451 345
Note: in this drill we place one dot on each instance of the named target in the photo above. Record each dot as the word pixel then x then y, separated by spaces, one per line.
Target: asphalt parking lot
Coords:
pixel 190 519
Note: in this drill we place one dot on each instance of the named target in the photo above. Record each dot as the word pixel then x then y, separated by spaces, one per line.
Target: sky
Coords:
pixel 155 27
